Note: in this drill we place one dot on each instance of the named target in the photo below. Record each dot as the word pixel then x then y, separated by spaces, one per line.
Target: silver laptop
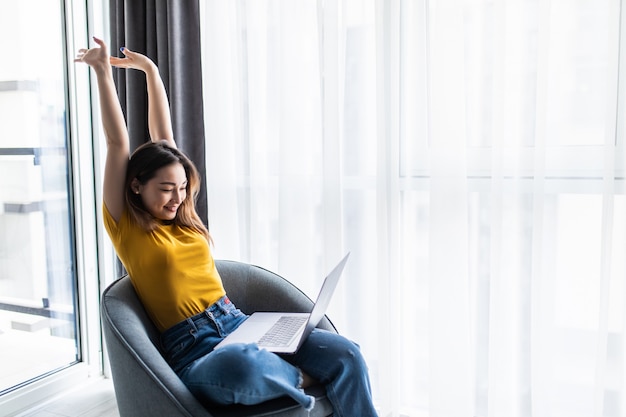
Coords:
pixel 285 332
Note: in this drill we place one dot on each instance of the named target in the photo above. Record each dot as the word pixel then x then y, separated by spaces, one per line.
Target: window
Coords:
pixel 40 329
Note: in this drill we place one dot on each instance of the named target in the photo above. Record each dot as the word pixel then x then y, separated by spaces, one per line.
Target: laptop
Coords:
pixel 285 332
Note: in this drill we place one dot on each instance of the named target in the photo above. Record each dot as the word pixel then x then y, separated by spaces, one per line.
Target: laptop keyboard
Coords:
pixel 281 333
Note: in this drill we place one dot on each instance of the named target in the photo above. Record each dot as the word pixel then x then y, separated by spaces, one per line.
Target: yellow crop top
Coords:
pixel 171 268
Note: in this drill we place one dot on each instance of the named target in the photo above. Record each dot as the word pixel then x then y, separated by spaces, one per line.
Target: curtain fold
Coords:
pixel 450 364
pixel 169 33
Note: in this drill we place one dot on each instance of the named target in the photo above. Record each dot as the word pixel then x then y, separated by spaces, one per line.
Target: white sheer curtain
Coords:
pixel 469 153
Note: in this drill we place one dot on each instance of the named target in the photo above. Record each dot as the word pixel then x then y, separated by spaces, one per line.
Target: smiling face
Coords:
pixel 163 194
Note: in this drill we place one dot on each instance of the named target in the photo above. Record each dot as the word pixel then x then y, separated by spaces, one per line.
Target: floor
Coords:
pixel 97 399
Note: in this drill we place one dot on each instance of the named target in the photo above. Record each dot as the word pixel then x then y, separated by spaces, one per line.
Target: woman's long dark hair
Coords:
pixel 143 164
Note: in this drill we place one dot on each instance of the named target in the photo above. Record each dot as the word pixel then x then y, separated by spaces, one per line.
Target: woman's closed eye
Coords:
pixel 169 190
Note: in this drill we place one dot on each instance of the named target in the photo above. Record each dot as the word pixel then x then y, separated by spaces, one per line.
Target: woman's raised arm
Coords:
pixel 115 130
pixel 159 117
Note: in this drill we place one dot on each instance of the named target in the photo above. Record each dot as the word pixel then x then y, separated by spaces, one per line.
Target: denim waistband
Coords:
pixel 214 311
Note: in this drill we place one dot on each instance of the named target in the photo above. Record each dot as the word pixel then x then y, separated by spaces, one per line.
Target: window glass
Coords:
pixel 38 325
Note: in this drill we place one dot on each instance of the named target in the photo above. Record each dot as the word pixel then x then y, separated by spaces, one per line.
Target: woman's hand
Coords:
pixel 97 57
pixel 159 118
pixel 133 60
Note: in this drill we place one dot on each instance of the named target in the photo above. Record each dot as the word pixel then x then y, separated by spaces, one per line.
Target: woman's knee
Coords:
pixel 336 351
pixel 335 343
pixel 238 361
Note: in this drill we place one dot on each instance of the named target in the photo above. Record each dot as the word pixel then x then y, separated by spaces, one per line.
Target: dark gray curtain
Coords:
pixel 167 31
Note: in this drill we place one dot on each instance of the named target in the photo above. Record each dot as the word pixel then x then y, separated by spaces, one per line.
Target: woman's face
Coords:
pixel 164 193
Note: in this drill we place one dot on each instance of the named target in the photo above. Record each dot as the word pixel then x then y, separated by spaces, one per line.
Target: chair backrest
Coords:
pixel 252 288
pixel 144 383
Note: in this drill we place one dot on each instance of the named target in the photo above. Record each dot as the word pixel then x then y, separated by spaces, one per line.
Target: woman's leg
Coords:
pixel 337 363
pixel 244 374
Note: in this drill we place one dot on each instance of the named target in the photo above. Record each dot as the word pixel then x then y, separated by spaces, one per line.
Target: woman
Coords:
pixel 149 214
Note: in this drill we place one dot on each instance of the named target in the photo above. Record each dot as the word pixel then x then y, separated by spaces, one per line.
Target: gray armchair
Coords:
pixel 144 383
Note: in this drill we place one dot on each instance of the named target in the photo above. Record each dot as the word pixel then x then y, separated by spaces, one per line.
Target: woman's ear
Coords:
pixel 135 186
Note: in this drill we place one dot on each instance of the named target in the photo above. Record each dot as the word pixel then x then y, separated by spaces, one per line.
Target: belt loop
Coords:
pixel 192 324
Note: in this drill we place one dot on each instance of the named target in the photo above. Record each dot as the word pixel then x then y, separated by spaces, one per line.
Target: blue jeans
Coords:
pixel 245 374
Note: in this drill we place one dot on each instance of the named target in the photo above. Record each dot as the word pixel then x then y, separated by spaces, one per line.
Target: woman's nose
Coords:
pixel 178 196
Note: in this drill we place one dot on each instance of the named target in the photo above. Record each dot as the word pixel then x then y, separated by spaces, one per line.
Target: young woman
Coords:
pixel 150 216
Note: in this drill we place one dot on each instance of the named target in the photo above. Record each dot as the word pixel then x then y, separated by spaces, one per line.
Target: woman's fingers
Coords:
pixel 100 42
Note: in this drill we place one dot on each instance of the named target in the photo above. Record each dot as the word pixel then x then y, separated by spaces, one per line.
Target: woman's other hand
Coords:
pixel 133 60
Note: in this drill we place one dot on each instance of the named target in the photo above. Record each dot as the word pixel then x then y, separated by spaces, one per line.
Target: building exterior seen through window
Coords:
pixel 38 314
